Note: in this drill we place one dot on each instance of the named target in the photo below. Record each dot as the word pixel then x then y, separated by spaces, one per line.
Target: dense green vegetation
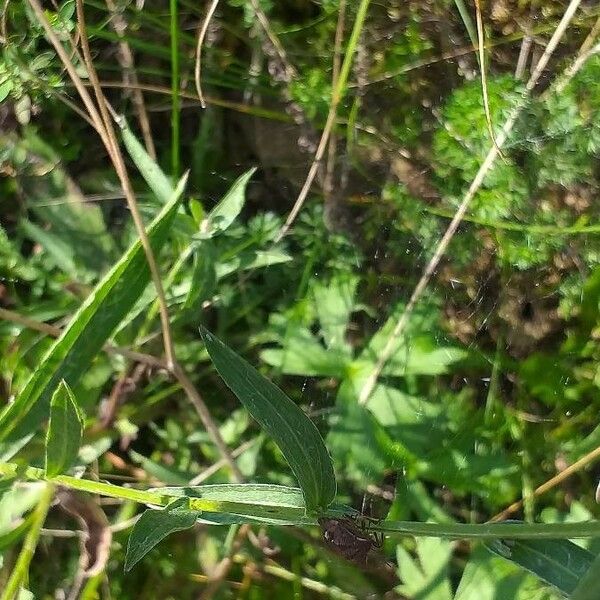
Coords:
pixel 339 375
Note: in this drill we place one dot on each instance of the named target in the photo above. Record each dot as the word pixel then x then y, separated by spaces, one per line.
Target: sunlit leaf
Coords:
pixel 295 434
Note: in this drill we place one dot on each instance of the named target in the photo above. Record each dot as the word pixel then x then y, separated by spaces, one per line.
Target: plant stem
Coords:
pixel 511 530
pixel 21 568
pixel 175 117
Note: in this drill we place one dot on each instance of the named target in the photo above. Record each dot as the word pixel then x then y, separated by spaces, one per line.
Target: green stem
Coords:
pixel 513 531
pixel 506 530
pixel 340 88
pixel 85 485
pixel 21 569
pixel 175 113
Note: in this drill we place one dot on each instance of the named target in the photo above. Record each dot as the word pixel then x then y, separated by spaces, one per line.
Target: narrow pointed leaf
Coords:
pixel 228 208
pixel 155 525
pixel 155 178
pixel 64 431
pixel 295 434
pixel 71 354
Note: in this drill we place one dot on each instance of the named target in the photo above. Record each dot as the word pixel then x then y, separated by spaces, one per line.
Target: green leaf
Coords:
pixel 487 577
pixel 158 182
pixel 295 434
pixel 228 208
pixel 427 577
pixel 303 354
pixel 71 354
pixel 334 301
pixel 252 502
pixel 204 276
pixel 588 587
pixel 64 431
pixel 252 259
pixel 155 525
pixel 560 563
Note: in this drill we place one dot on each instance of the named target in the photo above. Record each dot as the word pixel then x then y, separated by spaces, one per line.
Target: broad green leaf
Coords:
pixel 428 577
pixel 252 259
pixel 334 301
pixel 155 178
pixel 414 353
pixel 204 276
pixel 155 525
pixel 488 577
pixel 64 431
pixel 295 434
pixel 71 354
pixel 227 209
pixel 303 354
pixel 560 563
pixel 588 587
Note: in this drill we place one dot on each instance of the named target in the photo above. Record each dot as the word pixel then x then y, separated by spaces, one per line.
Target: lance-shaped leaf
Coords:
pixel 71 354
pixel 64 431
pixel 295 434
pixel 228 208
pixel 155 525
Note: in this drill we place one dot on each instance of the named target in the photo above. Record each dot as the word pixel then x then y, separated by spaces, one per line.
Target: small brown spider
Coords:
pixel 350 537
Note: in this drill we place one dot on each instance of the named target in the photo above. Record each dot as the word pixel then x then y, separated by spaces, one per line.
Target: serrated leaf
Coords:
pixel 70 355
pixel 228 208
pixel 294 433
pixel 560 563
pixel 64 431
pixel 155 525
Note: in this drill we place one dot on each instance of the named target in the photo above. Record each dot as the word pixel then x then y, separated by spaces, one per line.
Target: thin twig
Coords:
pixel 207 420
pixel 336 97
pixel 52 330
pixel 337 59
pixel 587 50
pixel 199 44
pixel 215 467
pixel 548 485
pixel 264 22
pixel 121 170
pixel 388 349
pixel 483 71
pixel 119 24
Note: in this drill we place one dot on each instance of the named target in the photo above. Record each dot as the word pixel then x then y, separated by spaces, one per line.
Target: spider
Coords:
pixel 351 537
